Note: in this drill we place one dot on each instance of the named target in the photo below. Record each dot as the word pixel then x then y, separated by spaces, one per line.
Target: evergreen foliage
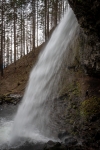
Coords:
pixel 25 24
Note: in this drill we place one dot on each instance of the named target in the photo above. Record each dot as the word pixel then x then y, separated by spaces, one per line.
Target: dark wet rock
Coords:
pixel 60 146
pixel 1 102
pixel 63 96
pixel 2 97
pixel 94 117
pixel 87 13
pixel 9 99
pixel 25 146
pixel 51 144
pixel 85 128
pixel 70 141
pixel 63 135
pixel 97 136
pixel 86 143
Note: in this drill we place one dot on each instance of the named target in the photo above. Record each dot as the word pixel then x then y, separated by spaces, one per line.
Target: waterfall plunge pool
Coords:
pixel 35 142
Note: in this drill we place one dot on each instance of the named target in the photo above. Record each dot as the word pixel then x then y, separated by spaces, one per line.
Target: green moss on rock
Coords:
pixel 90 107
pixel 74 89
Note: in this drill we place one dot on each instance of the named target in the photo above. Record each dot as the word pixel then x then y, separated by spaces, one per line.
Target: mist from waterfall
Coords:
pixel 32 118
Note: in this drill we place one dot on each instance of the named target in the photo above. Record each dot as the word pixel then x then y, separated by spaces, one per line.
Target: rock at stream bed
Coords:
pixel 61 146
pixel 2 98
pixel 1 102
pixel 50 145
pixel 70 141
pixel 62 135
pixel 9 99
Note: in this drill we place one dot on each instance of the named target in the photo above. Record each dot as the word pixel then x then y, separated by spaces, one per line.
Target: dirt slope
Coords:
pixel 16 76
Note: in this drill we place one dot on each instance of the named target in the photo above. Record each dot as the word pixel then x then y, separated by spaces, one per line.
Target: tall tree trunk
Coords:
pixel 1 55
pixel 31 29
pixel 15 34
pixel 56 12
pixel 4 47
pixel 63 8
pixel 7 50
pixel 21 33
pixel 11 44
pixel 60 8
pixel 37 23
pixel 48 20
pixel 34 21
pixel 17 55
pixel 45 20
pixel 27 36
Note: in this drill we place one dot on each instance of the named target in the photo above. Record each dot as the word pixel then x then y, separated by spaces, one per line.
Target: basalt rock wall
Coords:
pixel 87 13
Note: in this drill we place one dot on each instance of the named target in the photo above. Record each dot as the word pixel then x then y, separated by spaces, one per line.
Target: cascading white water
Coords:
pixel 32 118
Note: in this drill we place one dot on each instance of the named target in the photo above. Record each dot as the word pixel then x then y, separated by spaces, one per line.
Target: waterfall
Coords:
pixel 32 118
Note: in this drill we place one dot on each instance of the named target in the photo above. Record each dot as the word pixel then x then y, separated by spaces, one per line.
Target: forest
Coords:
pixel 26 24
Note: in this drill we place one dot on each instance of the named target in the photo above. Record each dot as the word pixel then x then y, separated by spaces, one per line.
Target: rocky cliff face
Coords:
pixel 78 110
pixel 87 13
